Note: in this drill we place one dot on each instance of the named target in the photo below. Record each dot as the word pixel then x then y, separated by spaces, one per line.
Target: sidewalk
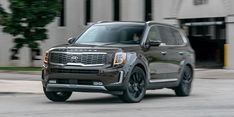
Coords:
pixel 21 72
pixel 19 86
pixel 20 76
pixel 20 82
pixel 214 73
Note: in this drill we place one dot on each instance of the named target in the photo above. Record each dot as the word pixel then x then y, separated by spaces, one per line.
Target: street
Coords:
pixel 212 96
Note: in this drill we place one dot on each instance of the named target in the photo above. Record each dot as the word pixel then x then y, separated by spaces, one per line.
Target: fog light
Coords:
pixel 52 81
pixel 98 83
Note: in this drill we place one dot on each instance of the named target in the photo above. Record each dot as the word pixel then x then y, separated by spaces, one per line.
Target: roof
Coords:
pixel 121 23
pixel 135 23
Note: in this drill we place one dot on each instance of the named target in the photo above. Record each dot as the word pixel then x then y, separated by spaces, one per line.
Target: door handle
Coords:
pixel 164 52
pixel 181 53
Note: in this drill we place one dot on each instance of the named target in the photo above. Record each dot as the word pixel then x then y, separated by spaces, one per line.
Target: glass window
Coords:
pixel 167 36
pixel 88 11
pixel 112 33
pixel 62 13
pixel 116 10
pixel 177 35
pixel 154 34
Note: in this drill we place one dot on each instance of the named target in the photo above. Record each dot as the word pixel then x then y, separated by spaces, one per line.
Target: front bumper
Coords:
pixel 75 87
pixel 103 80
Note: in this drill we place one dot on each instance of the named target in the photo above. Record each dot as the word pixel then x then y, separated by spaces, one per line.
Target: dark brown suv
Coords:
pixel 120 58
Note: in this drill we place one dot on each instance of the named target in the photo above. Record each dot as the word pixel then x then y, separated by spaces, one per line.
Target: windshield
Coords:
pixel 110 34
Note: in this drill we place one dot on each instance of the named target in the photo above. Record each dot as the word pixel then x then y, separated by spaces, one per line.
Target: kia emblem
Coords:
pixel 74 57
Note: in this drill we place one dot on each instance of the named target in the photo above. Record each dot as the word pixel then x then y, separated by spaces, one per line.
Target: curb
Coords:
pixel 22 72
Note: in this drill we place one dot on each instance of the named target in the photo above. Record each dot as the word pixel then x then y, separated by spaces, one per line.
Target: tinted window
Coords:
pixel 167 35
pixel 178 37
pixel 154 34
pixel 116 33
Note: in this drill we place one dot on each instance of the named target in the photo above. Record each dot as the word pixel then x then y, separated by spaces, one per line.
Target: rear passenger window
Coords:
pixel 178 37
pixel 167 35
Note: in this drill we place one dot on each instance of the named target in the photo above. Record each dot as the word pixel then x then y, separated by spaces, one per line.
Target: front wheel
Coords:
pixel 185 85
pixel 57 96
pixel 136 86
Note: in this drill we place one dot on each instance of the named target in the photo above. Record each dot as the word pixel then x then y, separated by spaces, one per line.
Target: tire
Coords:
pixel 57 96
pixel 185 85
pixel 136 86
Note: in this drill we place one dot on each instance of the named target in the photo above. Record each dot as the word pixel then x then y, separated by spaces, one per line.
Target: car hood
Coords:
pixel 100 47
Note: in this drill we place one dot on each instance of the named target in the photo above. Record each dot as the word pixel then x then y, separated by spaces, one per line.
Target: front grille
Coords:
pixel 86 59
pixel 81 71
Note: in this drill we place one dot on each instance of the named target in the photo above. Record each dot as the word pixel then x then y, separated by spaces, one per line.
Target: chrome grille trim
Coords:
pixel 85 65
pixel 77 64
pixel 86 59
pixel 79 52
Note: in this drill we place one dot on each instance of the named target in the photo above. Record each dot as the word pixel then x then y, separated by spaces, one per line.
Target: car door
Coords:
pixel 174 51
pixel 156 56
pixel 178 51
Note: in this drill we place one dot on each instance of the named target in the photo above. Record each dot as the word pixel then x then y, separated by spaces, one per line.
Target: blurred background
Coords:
pixel 209 25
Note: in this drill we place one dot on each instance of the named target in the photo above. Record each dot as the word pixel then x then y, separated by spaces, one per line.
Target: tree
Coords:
pixel 27 19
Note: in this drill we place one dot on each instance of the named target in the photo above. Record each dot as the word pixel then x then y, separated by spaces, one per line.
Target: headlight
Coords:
pixel 120 58
pixel 46 57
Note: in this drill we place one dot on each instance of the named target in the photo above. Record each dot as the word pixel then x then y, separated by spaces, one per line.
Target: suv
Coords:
pixel 120 58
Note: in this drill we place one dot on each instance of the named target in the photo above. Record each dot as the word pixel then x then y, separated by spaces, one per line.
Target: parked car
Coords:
pixel 120 58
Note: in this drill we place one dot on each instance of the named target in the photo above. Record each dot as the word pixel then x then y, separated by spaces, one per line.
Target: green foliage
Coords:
pixel 27 19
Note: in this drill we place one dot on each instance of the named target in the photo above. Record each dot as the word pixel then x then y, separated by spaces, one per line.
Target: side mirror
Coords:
pixel 155 43
pixel 71 40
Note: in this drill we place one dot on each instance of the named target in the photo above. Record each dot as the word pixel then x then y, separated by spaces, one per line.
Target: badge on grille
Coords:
pixel 74 57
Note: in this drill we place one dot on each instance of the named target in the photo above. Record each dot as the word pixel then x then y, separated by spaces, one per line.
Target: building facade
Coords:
pixel 208 23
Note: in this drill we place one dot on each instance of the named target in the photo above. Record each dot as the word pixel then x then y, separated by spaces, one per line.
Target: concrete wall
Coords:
pixel 214 8
pixel 57 35
pixel 132 10
pixel 102 10
pixel 166 11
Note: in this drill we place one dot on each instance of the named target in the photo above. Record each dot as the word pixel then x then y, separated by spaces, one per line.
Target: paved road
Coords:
pixel 211 97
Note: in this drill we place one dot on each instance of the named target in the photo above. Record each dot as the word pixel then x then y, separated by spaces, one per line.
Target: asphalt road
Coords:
pixel 210 98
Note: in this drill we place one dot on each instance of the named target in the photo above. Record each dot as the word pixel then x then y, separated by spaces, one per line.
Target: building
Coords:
pixel 208 23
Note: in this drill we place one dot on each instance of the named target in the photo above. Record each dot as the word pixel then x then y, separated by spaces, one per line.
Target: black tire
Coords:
pixel 185 85
pixel 136 86
pixel 57 96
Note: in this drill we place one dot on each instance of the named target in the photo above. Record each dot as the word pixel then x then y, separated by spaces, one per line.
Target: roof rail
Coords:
pixel 153 22
pixel 121 21
pixel 103 21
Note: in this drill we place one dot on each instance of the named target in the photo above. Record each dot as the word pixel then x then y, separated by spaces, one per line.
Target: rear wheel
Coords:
pixel 57 96
pixel 185 85
pixel 136 86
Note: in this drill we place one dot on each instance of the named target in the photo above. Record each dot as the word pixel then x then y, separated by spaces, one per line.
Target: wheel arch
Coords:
pixel 142 67
pixel 186 64
pixel 137 60
pixel 145 69
pixel 191 67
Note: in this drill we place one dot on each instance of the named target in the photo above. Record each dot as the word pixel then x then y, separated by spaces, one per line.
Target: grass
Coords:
pixel 20 68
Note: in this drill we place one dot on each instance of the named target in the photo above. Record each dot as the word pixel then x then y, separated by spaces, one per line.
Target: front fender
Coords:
pixel 133 59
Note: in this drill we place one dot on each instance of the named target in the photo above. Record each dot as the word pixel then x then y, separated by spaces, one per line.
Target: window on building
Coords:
pixel 62 14
pixel 116 10
pixel 148 10
pixel 200 2
pixel 88 4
